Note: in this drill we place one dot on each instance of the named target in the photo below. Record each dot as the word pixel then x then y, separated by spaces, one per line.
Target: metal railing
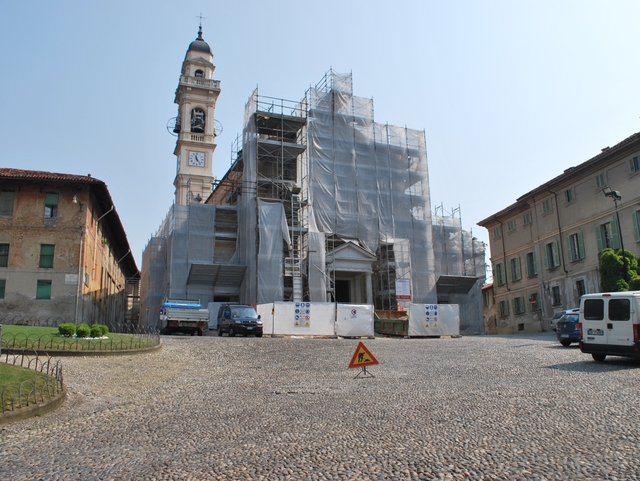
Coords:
pixel 27 393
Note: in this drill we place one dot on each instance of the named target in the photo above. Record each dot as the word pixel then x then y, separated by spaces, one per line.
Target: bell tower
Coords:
pixel 196 97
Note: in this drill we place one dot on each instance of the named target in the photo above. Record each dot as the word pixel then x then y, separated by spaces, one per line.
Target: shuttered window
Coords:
pixel 46 255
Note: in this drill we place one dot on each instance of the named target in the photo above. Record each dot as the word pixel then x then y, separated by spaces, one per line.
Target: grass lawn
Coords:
pixel 12 383
pixel 48 339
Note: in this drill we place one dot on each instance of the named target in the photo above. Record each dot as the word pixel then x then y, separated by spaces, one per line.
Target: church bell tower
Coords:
pixel 196 97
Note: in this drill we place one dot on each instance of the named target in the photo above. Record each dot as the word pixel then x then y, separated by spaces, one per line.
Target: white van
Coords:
pixel 610 324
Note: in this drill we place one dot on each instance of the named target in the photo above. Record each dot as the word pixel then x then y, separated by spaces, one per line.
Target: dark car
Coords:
pixel 566 331
pixel 559 314
pixel 239 319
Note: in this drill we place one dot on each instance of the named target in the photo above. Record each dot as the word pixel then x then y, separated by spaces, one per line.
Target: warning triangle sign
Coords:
pixel 362 357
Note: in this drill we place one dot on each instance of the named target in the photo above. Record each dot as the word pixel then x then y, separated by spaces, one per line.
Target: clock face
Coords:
pixel 196 159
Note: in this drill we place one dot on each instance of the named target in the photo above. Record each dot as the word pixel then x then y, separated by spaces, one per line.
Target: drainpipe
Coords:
pixel 504 256
pixel 555 196
pixel 79 287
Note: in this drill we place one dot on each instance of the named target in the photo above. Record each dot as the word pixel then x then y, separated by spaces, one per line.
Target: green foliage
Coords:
pixel 67 329
pixel 99 330
pixel 83 330
pixel 612 270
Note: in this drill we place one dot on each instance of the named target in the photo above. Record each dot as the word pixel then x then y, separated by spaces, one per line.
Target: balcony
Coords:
pixel 200 82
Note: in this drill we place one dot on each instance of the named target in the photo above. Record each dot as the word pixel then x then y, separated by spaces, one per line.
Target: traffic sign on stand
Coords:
pixel 362 358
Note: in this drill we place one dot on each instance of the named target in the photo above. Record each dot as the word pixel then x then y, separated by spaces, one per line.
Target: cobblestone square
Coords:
pixel 486 407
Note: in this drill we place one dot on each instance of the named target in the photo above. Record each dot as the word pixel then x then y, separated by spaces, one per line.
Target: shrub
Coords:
pixel 67 329
pixel 83 330
pixel 99 330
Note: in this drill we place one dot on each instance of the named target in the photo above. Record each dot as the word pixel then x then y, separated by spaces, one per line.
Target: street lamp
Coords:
pixel 615 195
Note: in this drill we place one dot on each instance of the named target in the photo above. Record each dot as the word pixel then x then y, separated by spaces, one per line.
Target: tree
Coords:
pixel 612 278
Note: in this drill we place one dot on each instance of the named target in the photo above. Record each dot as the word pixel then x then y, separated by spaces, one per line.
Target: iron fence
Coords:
pixel 26 393
pixel 19 319
pixel 34 342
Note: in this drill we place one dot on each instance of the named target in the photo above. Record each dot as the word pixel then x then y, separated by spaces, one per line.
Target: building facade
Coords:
pixel 321 204
pixel 545 247
pixel 64 255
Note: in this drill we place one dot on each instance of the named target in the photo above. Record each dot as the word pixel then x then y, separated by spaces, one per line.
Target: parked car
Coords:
pixel 559 314
pixel 239 319
pixel 567 329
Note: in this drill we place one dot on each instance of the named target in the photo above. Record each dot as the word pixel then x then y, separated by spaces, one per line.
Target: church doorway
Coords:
pixel 343 291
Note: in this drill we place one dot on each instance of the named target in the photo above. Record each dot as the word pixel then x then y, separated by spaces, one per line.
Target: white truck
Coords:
pixel 183 315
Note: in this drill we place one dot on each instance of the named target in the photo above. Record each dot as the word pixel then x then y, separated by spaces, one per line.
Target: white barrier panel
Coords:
pixel 298 318
pixel 434 320
pixel 354 320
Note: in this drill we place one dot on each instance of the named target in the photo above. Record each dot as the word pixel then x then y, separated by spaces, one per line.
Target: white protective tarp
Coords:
pixel 298 318
pixel 434 320
pixel 354 320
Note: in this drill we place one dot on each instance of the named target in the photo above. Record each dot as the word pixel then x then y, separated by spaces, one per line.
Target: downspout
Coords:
pixel 79 288
pixel 555 195
pixel 504 256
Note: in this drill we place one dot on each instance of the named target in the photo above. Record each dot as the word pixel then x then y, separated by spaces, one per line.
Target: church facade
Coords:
pixel 321 204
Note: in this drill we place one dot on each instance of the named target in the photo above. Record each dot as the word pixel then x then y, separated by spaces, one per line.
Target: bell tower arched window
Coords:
pixel 197 121
pixel 199 74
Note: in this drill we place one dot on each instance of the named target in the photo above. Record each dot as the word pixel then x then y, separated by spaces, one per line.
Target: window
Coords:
pixel 533 301
pixel 496 232
pixel 531 266
pixel 197 121
pixel 619 309
pixel 498 274
pixel 46 255
pixel 580 288
pixel 511 225
pixel 636 224
pixel 43 291
pixel 575 247
pixel 50 205
pixel 568 195
pixel 600 181
pixel 634 164
pixel 514 269
pixel 594 309
pixel 4 255
pixel 503 308
pixel 486 297
pixel 607 236
pixel 546 206
pixel 551 255
pixel 199 74
pixel 3 284
pixel 526 218
pixel 6 203
pixel 555 294
pixel 518 305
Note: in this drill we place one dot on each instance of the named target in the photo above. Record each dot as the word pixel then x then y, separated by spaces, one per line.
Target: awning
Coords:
pixel 223 277
pixel 447 285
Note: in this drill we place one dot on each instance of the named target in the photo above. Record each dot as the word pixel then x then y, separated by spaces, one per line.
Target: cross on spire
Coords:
pixel 200 17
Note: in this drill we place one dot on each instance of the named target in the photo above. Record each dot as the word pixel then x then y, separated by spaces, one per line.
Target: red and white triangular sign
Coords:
pixel 362 357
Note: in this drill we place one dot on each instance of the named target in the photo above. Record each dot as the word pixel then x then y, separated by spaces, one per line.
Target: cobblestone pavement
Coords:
pixel 489 407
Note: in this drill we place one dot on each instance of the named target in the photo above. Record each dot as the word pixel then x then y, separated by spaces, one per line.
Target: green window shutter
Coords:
pixel 580 246
pixel 3 284
pixel 569 250
pixel 535 263
pixel 46 255
pixel 43 290
pixel 6 203
pixel 636 227
pixel 599 238
pixel 556 254
pixel 51 199
pixel 632 164
pixel 614 234
pixel 518 268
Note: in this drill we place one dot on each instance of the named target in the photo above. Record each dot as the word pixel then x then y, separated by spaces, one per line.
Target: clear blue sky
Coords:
pixel 509 93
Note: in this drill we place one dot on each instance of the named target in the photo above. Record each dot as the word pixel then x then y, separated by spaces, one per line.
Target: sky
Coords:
pixel 509 93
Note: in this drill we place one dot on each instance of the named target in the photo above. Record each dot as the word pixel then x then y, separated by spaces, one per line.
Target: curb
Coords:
pixel 33 410
pixel 56 353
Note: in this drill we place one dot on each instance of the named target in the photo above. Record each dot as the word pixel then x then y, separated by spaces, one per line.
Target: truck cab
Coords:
pixel 610 324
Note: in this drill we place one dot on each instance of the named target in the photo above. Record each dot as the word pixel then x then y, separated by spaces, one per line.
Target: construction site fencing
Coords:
pixel 26 393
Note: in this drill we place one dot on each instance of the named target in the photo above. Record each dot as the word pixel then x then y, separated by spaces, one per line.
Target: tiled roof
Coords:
pixel 10 173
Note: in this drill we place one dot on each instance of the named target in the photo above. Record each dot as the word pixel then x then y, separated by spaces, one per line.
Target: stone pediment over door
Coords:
pixel 351 257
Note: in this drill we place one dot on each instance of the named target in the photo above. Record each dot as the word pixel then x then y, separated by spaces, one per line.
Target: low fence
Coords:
pixel 28 393
pixel 19 319
pixel 34 342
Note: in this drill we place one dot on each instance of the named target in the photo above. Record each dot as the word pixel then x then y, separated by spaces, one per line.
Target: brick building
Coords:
pixel 64 254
